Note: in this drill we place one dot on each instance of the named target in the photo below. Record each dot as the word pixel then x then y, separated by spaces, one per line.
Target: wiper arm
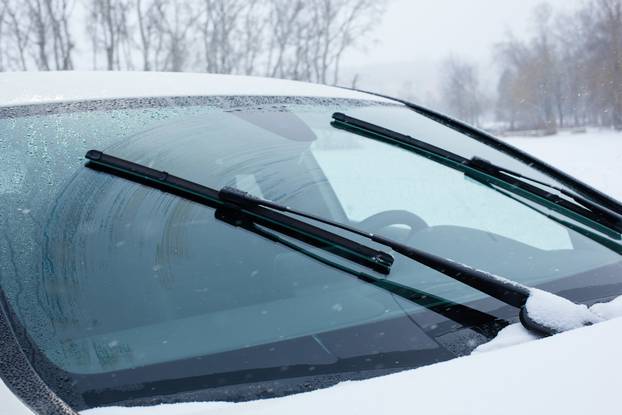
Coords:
pixel 500 288
pixel 484 323
pixel 603 219
pixel 270 214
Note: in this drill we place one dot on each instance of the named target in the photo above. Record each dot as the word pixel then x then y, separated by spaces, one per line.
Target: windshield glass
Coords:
pixel 130 292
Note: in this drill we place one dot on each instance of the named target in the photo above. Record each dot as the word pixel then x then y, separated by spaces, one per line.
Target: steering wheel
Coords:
pixel 381 220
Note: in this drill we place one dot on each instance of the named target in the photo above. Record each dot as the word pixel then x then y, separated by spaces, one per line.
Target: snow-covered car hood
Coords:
pixel 575 372
pixel 23 88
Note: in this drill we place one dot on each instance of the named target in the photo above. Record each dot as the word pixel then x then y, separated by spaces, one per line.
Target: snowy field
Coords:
pixel 594 157
pixel 571 373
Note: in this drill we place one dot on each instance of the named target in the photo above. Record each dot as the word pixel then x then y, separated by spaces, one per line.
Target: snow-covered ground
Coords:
pixel 575 372
pixel 594 157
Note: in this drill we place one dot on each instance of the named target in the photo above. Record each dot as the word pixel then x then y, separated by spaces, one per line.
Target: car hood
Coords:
pixel 574 372
pixel 26 88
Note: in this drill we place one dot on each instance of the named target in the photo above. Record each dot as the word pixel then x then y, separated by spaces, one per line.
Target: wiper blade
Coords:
pixel 270 214
pixel 345 247
pixel 603 219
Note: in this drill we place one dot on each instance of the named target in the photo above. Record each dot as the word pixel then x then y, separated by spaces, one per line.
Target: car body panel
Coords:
pixel 571 373
pixel 10 404
pixel 27 88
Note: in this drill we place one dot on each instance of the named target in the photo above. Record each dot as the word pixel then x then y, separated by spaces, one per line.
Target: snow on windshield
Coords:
pixel 556 311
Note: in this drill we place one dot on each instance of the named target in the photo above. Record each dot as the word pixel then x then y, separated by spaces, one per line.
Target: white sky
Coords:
pixel 432 29
pixel 416 35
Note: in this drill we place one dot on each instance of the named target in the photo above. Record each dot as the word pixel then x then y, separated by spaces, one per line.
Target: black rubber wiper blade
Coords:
pixel 269 217
pixel 599 217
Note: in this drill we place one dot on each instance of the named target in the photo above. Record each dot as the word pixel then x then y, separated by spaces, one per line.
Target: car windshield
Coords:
pixel 128 293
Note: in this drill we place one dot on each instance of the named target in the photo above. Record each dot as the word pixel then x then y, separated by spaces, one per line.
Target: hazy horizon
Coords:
pixel 415 36
pixel 414 30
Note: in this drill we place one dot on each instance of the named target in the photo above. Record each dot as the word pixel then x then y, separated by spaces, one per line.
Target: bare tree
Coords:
pixel 38 32
pixel 37 14
pixel 568 74
pixel 222 34
pixel 149 29
pixel 252 37
pixel 3 13
pixel 338 25
pixel 108 27
pixel 17 35
pixel 604 46
pixel 531 88
pixel 288 25
pixel 296 39
pixel 507 106
pixel 572 71
pixel 544 68
pixel 164 32
pixel 309 38
pixel 461 92
pixel 58 15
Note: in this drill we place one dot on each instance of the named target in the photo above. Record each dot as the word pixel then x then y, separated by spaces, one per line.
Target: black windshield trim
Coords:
pixel 18 374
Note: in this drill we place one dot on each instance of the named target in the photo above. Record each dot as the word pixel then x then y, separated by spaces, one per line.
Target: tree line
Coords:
pixel 294 39
pixel 566 74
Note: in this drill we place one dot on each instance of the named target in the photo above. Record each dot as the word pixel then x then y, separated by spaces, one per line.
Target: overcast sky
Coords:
pixel 416 35
pixel 429 29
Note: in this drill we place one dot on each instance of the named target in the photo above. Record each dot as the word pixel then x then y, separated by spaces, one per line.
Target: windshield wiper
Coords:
pixel 270 215
pixel 596 216
pixel 345 247
pixel 243 210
